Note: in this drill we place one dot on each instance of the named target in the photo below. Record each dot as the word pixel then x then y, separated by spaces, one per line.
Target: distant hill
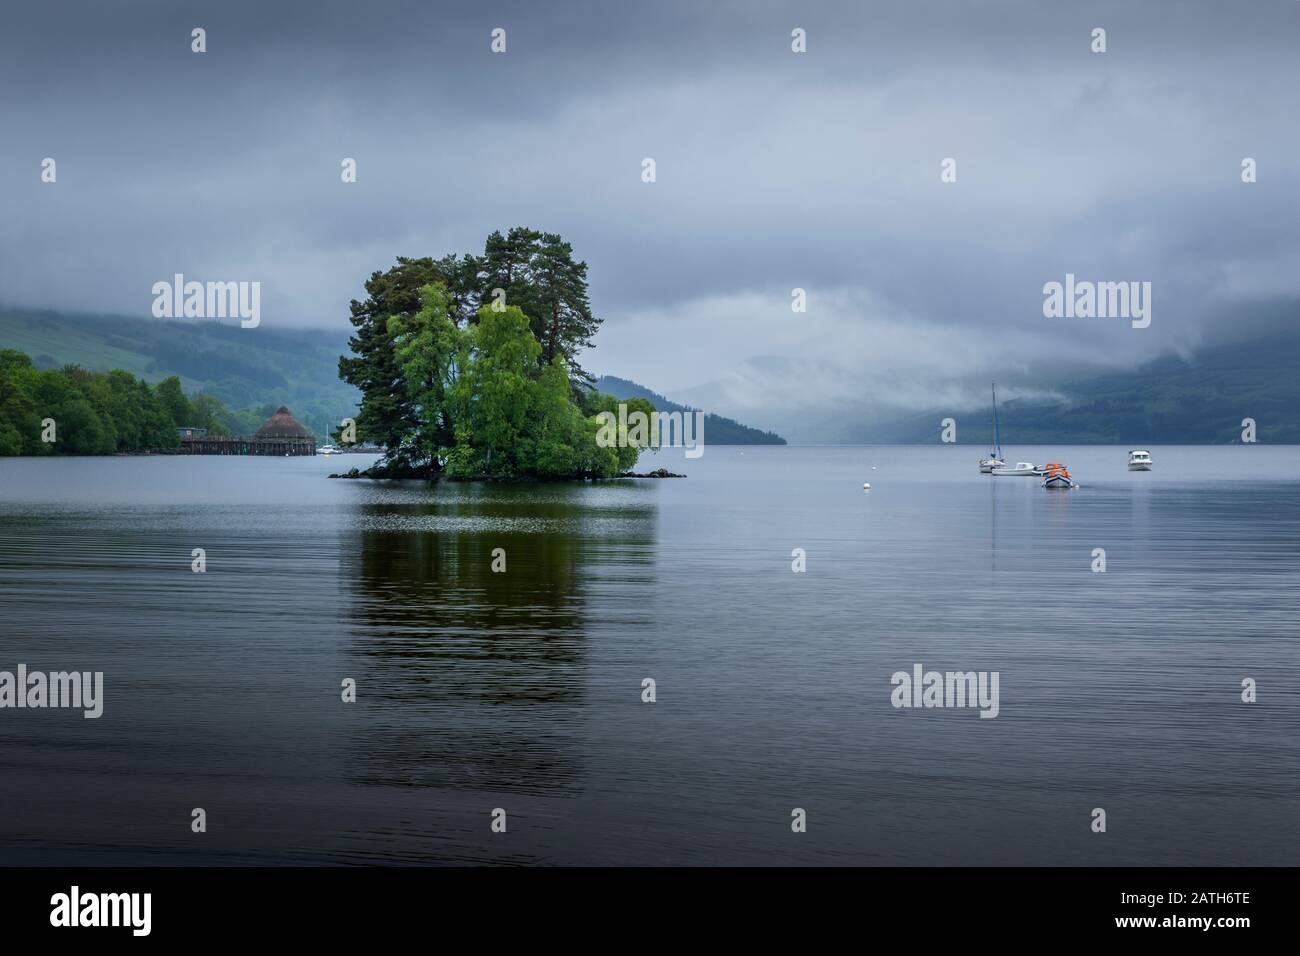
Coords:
pixel 717 430
pixel 1200 400
pixel 244 368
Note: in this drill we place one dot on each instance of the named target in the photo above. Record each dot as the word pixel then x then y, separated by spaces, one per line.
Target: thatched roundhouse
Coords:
pixel 283 425
pixel 281 435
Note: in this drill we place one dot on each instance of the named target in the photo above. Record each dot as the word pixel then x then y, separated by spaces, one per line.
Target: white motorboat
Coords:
pixel 327 450
pixel 1022 469
pixel 1139 459
pixel 1056 475
pixel 994 460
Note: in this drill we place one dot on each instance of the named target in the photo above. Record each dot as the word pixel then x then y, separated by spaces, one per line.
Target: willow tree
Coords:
pixel 513 421
pixel 429 350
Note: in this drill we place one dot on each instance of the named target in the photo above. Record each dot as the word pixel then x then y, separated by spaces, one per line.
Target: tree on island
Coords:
pixel 468 367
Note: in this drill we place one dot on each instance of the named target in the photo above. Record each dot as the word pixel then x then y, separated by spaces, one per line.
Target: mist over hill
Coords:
pixel 1200 399
pixel 1197 400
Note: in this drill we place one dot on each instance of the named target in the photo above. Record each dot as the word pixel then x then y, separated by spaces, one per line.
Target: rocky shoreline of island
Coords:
pixel 398 473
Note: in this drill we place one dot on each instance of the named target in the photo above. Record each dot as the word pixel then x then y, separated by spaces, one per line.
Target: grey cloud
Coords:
pixel 775 170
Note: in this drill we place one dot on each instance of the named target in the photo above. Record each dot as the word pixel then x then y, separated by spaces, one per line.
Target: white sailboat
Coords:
pixel 994 460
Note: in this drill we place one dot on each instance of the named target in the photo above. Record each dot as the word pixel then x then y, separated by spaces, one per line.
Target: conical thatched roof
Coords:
pixel 283 425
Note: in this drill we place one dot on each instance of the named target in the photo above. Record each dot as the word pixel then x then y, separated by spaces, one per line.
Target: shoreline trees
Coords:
pixel 95 413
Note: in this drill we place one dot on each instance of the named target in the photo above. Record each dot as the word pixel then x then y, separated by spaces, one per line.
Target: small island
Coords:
pixel 468 368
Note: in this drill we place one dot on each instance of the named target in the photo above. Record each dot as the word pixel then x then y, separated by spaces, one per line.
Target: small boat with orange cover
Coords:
pixel 1056 475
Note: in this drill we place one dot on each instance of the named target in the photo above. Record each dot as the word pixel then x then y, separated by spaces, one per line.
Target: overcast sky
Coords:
pixel 775 170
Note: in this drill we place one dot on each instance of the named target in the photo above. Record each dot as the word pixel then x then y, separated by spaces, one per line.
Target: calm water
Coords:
pixel 522 690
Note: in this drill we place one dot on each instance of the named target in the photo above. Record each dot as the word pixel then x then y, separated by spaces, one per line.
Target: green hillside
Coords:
pixel 244 368
pixel 717 430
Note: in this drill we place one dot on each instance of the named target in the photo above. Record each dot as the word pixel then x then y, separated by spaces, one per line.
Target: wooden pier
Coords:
pixel 279 447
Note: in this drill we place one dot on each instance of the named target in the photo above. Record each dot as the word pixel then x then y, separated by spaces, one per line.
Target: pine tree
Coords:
pixel 567 325
pixel 539 276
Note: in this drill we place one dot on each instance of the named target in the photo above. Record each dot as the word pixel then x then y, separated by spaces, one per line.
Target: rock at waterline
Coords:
pixel 657 473
pixel 371 473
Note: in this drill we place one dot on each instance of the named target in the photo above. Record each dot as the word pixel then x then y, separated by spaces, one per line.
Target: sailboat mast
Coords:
pixel 997 438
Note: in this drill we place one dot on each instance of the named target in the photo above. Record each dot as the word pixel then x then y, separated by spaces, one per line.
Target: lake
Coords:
pixel 522 689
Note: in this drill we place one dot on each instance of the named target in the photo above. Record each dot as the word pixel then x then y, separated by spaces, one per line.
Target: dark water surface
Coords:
pixel 522 690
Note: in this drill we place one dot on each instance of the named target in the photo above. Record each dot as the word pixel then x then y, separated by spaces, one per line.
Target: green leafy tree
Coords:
pixel 565 443
pixel 491 397
pixel 174 401
pixel 81 430
pixel 209 413
pixel 512 424
pixel 11 440
pixel 18 385
pixel 429 349
pixel 627 450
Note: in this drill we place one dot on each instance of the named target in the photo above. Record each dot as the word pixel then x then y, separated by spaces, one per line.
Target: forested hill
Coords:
pixel 717 430
pixel 243 368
